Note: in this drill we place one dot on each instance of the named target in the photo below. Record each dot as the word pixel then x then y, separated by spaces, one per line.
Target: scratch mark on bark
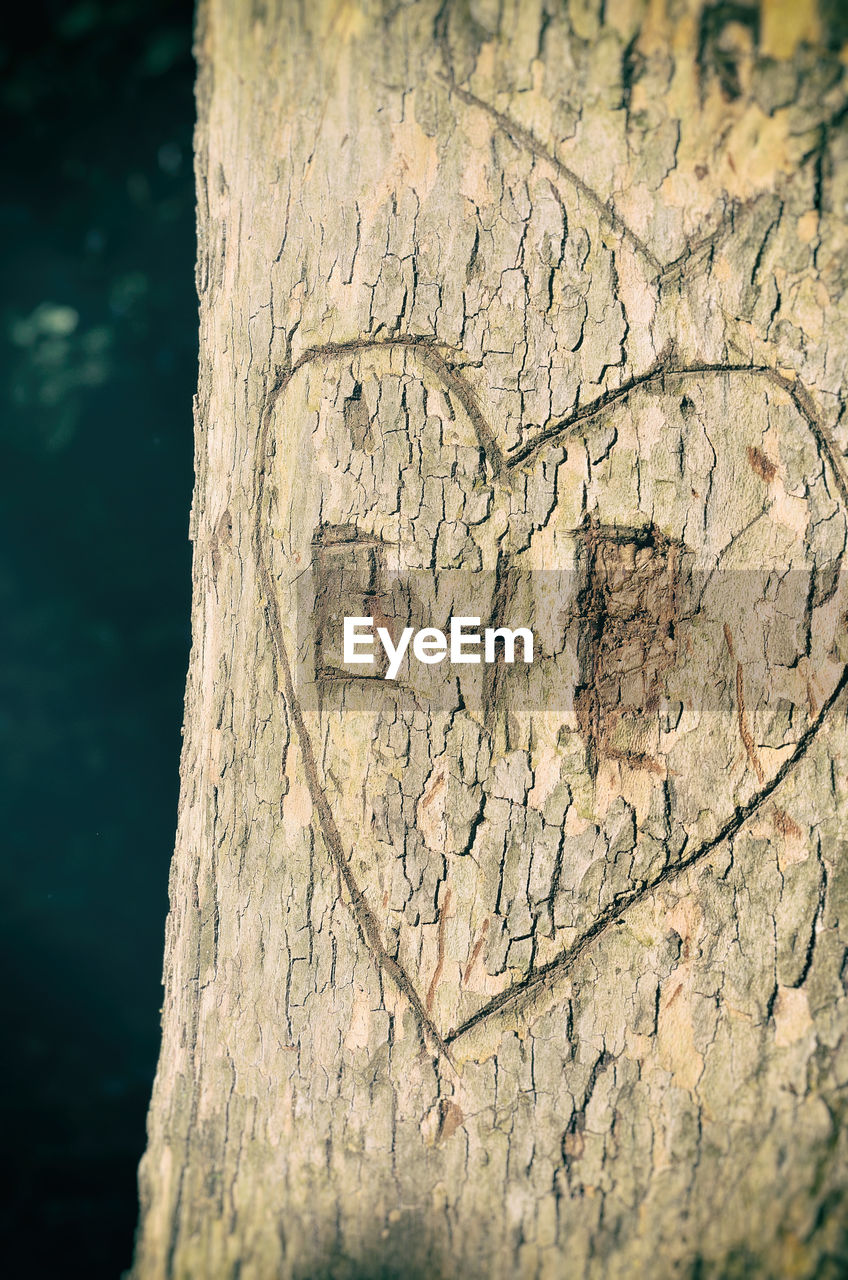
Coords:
pixel 744 730
pixel 430 350
pixel 524 138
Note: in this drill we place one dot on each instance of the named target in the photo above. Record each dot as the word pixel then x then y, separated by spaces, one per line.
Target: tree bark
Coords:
pixel 533 313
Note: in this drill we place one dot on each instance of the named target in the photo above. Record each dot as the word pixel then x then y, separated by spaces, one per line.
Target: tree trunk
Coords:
pixel 532 313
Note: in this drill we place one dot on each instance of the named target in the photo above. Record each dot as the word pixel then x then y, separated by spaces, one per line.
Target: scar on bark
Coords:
pixel 358 419
pixel 761 465
pixel 350 578
pixel 628 611
pixel 450 1119
pixel 477 948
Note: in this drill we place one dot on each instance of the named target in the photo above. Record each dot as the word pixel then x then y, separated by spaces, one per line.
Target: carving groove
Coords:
pixel 698 248
pixel 524 138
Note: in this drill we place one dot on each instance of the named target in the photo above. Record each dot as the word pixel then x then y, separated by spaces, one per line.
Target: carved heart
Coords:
pixel 677 553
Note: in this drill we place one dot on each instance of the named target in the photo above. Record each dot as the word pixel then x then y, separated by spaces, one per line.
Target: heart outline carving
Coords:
pixel 367 923
pixel 445 362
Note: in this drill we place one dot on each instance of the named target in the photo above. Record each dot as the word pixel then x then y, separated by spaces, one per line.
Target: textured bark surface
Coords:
pixel 535 313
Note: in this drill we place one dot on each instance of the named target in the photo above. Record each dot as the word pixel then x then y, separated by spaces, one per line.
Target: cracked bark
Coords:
pixel 535 313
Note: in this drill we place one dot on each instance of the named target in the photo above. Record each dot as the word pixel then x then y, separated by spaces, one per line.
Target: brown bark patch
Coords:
pixel 358 420
pixel 629 610
pixel 763 466
pixel 450 1119
pixel 785 825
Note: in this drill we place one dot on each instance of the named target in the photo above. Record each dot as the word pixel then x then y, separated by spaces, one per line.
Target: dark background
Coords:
pixel 98 356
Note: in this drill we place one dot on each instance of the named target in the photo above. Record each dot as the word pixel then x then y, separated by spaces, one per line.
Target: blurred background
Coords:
pixel 98 354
